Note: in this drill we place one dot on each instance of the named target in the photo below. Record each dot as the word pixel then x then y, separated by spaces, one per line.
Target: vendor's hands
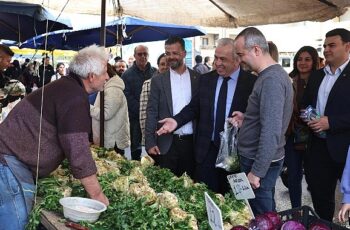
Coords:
pixel 169 125
pixel 153 151
pixel 319 125
pixel 93 188
pixel 253 180
pixel 236 119
pixel 101 197
pixel 344 213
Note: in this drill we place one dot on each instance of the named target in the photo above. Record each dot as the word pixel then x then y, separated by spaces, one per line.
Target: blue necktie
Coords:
pixel 221 111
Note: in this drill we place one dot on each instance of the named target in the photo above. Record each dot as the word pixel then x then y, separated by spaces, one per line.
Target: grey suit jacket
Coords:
pixel 160 106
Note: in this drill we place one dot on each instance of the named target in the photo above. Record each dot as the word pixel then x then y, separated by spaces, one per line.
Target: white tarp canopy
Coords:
pixel 220 13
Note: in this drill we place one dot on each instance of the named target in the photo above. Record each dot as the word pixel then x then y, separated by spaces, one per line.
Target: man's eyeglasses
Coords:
pixel 142 54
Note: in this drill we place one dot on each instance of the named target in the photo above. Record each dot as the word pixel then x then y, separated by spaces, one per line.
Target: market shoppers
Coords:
pixel 133 78
pixel 117 132
pixel 305 62
pixel 60 71
pixel 46 71
pixel 64 125
pixel 328 92
pixel 261 137
pixel 146 90
pixel 220 93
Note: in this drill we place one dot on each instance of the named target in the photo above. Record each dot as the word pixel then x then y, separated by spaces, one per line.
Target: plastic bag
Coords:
pixel 310 114
pixel 228 157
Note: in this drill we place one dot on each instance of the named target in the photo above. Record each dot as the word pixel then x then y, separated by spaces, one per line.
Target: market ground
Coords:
pixel 282 194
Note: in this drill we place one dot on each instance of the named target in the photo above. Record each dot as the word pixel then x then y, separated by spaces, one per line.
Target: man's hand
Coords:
pixel 153 151
pixel 169 125
pixel 94 189
pixel 319 125
pixel 101 197
pixel 253 180
pixel 236 119
pixel 344 213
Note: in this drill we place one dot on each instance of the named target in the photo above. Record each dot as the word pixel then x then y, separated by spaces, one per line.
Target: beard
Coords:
pixel 120 72
pixel 174 64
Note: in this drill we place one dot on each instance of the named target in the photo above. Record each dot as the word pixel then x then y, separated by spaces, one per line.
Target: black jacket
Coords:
pixel 201 107
pixel 337 110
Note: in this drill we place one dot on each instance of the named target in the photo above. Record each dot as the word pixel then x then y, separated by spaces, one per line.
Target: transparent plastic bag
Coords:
pixel 228 157
pixel 310 114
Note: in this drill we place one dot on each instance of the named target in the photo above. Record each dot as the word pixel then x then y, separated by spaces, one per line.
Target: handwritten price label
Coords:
pixel 240 186
pixel 214 214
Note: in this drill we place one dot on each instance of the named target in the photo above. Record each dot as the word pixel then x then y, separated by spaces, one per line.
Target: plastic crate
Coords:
pixel 306 216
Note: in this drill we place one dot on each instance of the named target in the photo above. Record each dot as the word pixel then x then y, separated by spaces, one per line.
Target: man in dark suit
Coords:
pixel 170 92
pixel 207 107
pixel 328 91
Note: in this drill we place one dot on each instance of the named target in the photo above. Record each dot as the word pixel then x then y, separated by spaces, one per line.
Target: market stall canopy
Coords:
pixel 223 13
pixel 21 21
pixel 124 31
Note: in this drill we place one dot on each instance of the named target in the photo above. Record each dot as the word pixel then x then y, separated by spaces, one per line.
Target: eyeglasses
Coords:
pixel 142 54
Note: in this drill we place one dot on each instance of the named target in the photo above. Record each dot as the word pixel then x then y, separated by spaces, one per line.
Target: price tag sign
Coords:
pixel 240 186
pixel 214 214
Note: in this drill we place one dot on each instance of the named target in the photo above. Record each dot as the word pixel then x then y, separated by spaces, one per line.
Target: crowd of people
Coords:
pixel 178 112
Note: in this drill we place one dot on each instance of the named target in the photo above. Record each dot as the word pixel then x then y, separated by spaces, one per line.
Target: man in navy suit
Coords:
pixel 328 90
pixel 209 105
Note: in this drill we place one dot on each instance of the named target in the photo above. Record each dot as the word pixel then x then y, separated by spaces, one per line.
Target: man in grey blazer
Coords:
pixel 170 92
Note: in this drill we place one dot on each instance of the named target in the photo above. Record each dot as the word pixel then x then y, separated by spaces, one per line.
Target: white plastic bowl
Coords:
pixel 82 209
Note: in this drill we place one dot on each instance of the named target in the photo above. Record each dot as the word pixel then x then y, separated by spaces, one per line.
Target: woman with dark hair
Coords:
pixel 305 62
pixel 60 71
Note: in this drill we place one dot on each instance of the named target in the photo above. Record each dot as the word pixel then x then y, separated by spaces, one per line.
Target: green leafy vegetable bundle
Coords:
pixel 141 196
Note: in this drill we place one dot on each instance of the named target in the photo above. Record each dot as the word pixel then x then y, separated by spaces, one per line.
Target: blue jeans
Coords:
pixel 264 195
pixel 13 210
pixel 294 162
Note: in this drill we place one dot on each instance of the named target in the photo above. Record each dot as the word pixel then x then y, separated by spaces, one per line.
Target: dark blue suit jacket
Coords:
pixel 337 110
pixel 201 107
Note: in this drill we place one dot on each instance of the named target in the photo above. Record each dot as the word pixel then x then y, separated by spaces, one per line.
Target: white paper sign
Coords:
pixel 214 214
pixel 240 186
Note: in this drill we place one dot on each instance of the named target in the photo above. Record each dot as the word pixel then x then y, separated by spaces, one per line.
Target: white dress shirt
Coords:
pixel 181 94
pixel 327 85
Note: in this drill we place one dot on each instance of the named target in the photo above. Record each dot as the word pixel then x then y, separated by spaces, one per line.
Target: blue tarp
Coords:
pixel 21 21
pixel 128 29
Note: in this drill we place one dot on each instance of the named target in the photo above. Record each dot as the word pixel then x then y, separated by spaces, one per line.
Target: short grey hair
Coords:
pixel 230 42
pixel 91 59
pixel 254 37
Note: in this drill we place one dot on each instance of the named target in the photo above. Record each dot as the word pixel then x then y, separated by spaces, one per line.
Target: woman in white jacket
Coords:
pixel 116 133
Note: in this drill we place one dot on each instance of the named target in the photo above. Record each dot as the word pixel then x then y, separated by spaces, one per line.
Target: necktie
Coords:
pixel 221 111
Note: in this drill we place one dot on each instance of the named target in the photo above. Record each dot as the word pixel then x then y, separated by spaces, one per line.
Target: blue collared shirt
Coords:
pixel 345 181
pixel 231 88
